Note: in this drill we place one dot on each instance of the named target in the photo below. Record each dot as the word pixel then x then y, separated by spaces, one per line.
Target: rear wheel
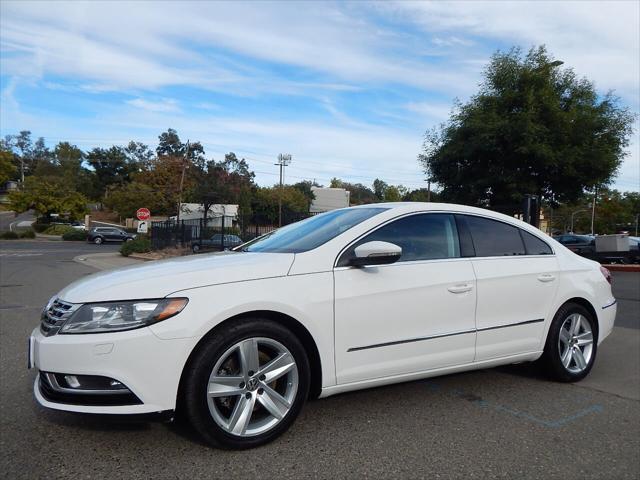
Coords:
pixel 195 247
pixel 572 343
pixel 98 240
pixel 246 386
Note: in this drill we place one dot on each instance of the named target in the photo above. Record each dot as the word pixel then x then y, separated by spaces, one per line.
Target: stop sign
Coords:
pixel 143 214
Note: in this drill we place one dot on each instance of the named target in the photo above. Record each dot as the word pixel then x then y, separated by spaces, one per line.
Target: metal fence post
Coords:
pixel 222 229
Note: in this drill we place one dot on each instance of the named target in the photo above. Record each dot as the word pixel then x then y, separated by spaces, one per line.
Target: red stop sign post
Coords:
pixel 143 214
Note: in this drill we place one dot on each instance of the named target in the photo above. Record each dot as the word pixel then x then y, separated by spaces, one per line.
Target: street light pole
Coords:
pixel 573 214
pixel 284 159
pixel 593 209
pixel 184 167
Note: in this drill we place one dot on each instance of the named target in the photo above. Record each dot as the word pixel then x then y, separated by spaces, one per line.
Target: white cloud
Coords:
pixel 164 105
pixel 309 49
pixel 180 44
pixel 598 38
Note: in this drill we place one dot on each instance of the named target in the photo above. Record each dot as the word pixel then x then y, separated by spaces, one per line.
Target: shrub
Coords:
pixel 58 230
pixel 9 236
pixel 139 245
pixel 74 234
pixel 40 227
pixel 28 234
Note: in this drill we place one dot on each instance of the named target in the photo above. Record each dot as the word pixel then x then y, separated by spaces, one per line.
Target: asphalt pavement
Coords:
pixel 508 422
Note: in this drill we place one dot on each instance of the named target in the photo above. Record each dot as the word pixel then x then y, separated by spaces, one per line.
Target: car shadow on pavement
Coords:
pixel 95 422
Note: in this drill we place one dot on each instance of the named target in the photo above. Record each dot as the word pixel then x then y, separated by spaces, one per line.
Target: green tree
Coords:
pixel 359 194
pixel 126 199
pixel 7 168
pixel 169 144
pixel 47 196
pixel 394 193
pixel 380 189
pixel 533 128
pixel 420 195
pixel 111 166
pixel 305 188
pixel 265 203
pixel 226 182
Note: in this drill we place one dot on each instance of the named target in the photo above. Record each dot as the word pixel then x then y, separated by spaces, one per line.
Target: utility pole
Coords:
pixel 593 209
pixel 284 159
pixel 184 167
pixel 573 214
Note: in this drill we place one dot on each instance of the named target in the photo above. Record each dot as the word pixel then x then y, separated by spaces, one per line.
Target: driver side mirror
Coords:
pixel 375 253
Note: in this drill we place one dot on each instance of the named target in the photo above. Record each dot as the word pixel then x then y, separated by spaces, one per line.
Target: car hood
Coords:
pixel 158 279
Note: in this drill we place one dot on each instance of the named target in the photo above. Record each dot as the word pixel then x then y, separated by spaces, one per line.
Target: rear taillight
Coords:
pixel 607 275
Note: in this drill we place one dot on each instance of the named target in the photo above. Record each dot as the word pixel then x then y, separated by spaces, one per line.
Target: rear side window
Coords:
pixel 534 245
pixel 492 238
pixel 428 236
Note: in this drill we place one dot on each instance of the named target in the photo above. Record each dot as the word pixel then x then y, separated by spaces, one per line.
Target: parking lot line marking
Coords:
pixel 471 397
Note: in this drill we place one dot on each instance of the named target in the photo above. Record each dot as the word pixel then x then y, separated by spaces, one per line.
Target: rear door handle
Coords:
pixel 461 288
pixel 546 277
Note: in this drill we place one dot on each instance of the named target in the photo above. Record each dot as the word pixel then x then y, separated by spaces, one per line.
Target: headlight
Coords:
pixel 118 316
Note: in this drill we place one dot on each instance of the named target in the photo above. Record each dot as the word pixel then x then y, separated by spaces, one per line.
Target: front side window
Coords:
pixel 492 238
pixel 429 236
pixel 312 232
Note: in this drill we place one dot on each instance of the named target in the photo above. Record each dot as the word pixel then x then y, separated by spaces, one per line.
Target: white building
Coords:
pixel 328 199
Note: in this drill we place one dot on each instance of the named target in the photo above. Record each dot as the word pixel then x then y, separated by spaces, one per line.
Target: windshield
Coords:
pixel 312 232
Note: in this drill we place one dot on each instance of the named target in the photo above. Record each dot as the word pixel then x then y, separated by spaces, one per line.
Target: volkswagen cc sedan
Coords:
pixel 350 299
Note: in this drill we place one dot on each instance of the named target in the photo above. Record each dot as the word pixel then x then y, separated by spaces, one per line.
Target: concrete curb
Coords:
pixel 52 238
pixel 106 261
pixel 622 268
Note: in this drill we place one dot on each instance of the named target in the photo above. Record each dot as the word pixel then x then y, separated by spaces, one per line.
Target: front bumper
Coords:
pixel 149 367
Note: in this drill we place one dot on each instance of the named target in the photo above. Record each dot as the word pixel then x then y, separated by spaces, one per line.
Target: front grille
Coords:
pixel 55 315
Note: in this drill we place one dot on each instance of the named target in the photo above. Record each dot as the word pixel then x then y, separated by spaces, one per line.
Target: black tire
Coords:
pixel 195 248
pixel 197 372
pixel 551 360
pixel 98 240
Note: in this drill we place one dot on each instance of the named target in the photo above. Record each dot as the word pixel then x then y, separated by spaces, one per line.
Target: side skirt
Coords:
pixel 408 377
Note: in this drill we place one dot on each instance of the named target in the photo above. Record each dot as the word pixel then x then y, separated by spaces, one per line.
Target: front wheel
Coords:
pixel 98 240
pixel 247 384
pixel 195 248
pixel 572 343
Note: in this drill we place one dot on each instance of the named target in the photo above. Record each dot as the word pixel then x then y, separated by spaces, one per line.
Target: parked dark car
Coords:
pixel 578 243
pixel 100 235
pixel 215 242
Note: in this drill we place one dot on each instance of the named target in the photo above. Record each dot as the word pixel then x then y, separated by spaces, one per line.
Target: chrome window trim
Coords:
pixel 475 257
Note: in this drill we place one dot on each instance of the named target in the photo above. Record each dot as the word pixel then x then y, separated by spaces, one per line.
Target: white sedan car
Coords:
pixel 350 299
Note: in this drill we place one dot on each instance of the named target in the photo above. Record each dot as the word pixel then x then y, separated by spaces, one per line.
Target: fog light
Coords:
pixel 72 381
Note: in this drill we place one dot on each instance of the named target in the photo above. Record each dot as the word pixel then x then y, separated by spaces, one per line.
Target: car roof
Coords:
pixel 402 207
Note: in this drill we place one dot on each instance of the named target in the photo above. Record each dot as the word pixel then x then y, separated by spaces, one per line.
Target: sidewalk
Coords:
pixel 106 261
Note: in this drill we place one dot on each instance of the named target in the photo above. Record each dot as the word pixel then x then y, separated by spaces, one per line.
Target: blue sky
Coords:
pixel 347 88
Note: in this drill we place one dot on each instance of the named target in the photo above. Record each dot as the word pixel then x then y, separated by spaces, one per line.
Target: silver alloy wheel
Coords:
pixel 575 343
pixel 252 386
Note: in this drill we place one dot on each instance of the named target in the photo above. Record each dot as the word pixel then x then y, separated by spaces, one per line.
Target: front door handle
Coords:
pixel 461 288
pixel 546 277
